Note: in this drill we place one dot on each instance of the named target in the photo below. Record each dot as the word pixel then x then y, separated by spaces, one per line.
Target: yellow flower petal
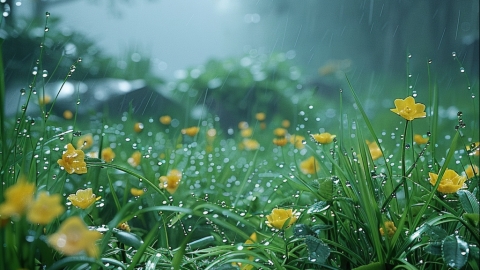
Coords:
pixel 107 154
pixel 451 182
pixel 83 198
pixel 171 181
pixel 375 150
pixel 408 109
pixel 419 139
pixel 309 166
pixel 45 208
pixel 323 138
pixel 165 120
pixel 278 217
pixel 17 198
pixel 73 237
pixel 73 160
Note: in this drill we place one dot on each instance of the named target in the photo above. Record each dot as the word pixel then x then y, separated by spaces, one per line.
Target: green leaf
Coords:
pixel 127 238
pixel 434 248
pixel 318 207
pixel 302 230
pixel 436 233
pixel 475 252
pixel 468 201
pixel 455 251
pixel 473 219
pixel 372 266
pixel 201 242
pixel 325 189
pixel 318 251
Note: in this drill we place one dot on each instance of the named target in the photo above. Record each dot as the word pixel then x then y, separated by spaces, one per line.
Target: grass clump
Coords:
pixel 161 192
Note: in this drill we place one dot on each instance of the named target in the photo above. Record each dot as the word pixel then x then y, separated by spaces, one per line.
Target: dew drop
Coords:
pixel 462 69
pixel 44 73
pixel 454 54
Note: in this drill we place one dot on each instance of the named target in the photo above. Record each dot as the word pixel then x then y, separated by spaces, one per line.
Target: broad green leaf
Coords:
pixel 127 238
pixel 302 230
pixel 434 248
pixel 372 266
pixel 318 251
pixel 318 207
pixel 468 201
pixel 325 189
pixel 471 218
pixel 455 251
pixel 436 233
pixel 475 252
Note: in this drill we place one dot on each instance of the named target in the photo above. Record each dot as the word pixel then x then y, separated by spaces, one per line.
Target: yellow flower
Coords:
pixel 297 141
pixel 309 166
pixel 375 151
pixel 135 159
pixel 85 142
pixel 251 240
pixel 73 237
pixel 124 226
pixel 451 182
pixel 166 119
pixel 138 127
pixel 73 160
pixel 67 114
pixel 471 171
pixel 191 131
pixel 260 116
pixel 474 149
pixel 45 100
pixel 280 132
pixel 45 208
pixel 323 138
pixel 419 139
pixel 280 141
pixel 285 123
pixel 242 125
pixel 390 227
pixel 250 144
pixel 83 198
pixel 17 198
pixel 278 217
pixel 247 132
pixel 137 192
pixel 171 181
pixel 107 154
pixel 408 109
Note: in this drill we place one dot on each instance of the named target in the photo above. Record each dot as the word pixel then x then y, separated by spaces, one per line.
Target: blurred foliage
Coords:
pixel 61 48
pixel 239 87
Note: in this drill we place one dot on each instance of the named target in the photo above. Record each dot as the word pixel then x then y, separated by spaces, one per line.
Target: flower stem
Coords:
pixel 404 176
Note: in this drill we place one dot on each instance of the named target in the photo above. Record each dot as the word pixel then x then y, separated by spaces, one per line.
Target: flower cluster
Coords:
pixel 19 199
